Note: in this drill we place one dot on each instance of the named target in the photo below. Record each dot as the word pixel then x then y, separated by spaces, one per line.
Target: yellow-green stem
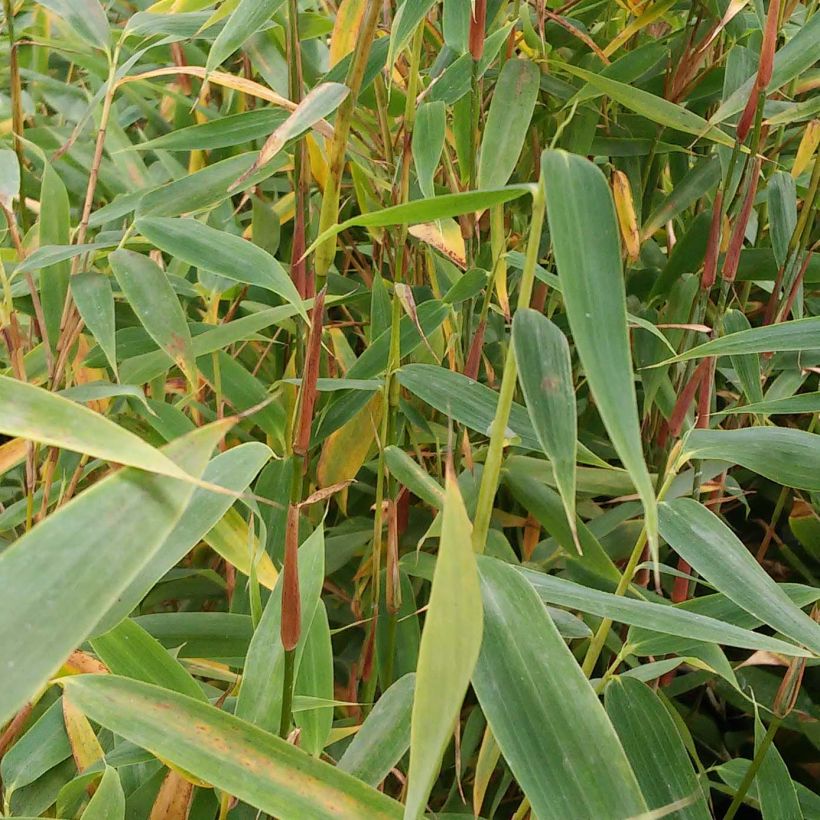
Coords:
pixel 495 452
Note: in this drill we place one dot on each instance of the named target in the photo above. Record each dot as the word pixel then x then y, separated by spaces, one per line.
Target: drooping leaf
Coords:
pixel 658 617
pixel 85 554
pixel 259 768
pixel 95 301
pixel 245 20
pixel 152 298
pixel 782 454
pixel 715 552
pixel 39 415
pixel 219 252
pixel 799 334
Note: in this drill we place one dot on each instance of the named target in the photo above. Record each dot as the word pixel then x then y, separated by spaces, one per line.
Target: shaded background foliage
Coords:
pixel 409 407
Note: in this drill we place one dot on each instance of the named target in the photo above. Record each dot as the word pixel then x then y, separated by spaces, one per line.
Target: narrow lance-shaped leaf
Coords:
pixel 84 555
pixel 579 204
pixel 799 334
pixel 782 454
pixel 233 470
pixel 655 749
pixel 39 415
pixel 449 648
pixel 715 552
pixel 509 118
pixel 669 620
pixel 54 229
pixel 384 736
pixel 94 299
pixel 323 100
pixel 246 19
pixel 653 107
pixel 545 374
pixel 220 252
pixel 128 650
pixel 541 708
pixel 428 142
pixel 426 210
pixel 260 697
pixel 152 298
pixel 237 757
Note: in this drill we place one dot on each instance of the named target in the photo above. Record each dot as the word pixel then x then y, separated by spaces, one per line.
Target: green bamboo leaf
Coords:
pixel 322 101
pixel 247 18
pixel 86 17
pixel 39 415
pixel 384 736
pixel 223 132
pixel 801 403
pixel 799 334
pixel 775 788
pixel 128 650
pixel 108 801
pixel 94 299
pixel 545 374
pixel 235 756
pixel 782 454
pixel 655 749
pixel 540 707
pixel 412 476
pixel 220 252
pixel 652 107
pixel 715 552
pixel 669 620
pixel 47 255
pixel 702 178
pixel 747 365
pixel 795 57
pixel 579 204
pixel 450 643
pixel 507 123
pixel 220 636
pixel 315 680
pixel 152 298
pixel 43 746
pixel 234 470
pixel 54 229
pixel 718 607
pixel 85 554
pixel 428 143
pixel 260 698
pixel 781 198
pixel 426 210
pixel 407 20
pixel 473 404
pixel 204 189
pixel 94 391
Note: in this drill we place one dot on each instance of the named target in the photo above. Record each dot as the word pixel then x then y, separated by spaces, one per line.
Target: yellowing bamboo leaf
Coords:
pixel 344 450
pixel 445 236
pixel 345 29
pixel 85 748
pixel 449 649
pixel 229 537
